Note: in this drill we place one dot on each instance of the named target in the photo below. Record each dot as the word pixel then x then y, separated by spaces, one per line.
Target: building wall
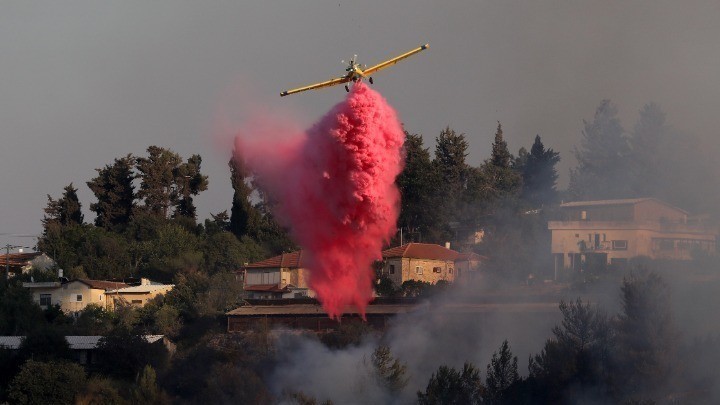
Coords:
pixel 69 296
pixel 628 242
pixel 128 298
pixel 405 269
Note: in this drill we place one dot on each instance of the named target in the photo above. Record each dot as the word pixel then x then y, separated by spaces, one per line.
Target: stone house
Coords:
pixel 428 263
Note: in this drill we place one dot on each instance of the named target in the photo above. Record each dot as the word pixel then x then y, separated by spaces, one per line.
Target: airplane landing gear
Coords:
pixel 347 89
pixel 371 80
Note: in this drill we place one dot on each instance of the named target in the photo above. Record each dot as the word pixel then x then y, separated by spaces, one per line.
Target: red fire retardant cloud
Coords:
pixel 334 187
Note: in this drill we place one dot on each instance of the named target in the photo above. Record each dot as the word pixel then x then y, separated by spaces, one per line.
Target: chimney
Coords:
pixel 447 245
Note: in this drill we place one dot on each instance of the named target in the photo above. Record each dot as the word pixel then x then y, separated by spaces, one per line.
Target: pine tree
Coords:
pixel 390 372
pixel 603 170
pixel 501 373
pixel 539 174
pixel 499 180
pixel 244 218
pixel 114 190
pixel 417 184
pixel 65 211
pixel 452 172
pixel 190 182
pixel 501 156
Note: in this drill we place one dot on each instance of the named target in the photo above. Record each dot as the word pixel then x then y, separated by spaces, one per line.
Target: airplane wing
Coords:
pixel 333 82
pixel 394 60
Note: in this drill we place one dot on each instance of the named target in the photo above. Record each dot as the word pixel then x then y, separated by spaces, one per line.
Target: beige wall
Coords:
pixel 69 293
pixel 128 298
pixel 405 269
pixel 640 242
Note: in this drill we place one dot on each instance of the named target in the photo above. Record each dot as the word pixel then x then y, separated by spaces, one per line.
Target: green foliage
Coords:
pixel 168 184
pixel 603 164
pixel 647 336
pixel 349 333
pixel 99 391
pixel 114 190
pixel 53 382
pixel 449 387
pixel 418 184
pixel 43 344
pixel 229 383
pixel 391 374
pixel 385 287
pixel 124 353
pixel 146 391
pixel 65 211
pixel 501 374
pixel 539 175
pixel 244 217
pixel 19 315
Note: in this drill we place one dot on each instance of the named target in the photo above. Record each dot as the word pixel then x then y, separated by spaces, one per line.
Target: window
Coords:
pixel 437 269
pixel 136 302
pixel 45 300
pixel 79 298
pixel 392 269
pixel 583 215
pixel 619 245
pixel 450 270
pixel 418 270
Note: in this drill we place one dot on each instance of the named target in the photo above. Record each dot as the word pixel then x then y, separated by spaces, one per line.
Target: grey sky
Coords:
pixel 84 82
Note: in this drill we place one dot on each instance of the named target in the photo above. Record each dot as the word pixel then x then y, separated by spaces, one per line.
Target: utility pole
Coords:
pixel 7 259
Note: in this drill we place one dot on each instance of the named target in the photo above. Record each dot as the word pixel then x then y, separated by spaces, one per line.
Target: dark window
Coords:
pixel 418 270
pixel 450 270
pixel 79 298
pixel 619 245
pixel 45 299
pixel 392 269
pixel 437 269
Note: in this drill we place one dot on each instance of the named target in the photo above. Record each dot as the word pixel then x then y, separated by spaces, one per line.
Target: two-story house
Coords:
pixel 597 233
pixel 428 262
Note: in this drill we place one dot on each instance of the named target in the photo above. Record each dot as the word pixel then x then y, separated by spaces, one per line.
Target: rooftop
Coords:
pixel 287 260
pixel 625 201
pixel 421 251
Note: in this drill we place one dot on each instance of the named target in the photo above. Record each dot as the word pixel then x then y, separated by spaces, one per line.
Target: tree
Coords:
pixel 449 162
pixel 449 387
pixel 65 211
pixel 114 190
pixel 167 182
pixel 190 182
pixel 146 391
pixel 578 354
pixel 647 336
pixel 124 353
pixel 501 373
pixel 54 382
pixel 539 175
pixel 603 158
pixel 418 183
pixel 244 218
pixel 390 372
pixel 649 143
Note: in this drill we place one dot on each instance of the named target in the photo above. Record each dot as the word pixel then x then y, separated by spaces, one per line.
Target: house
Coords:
pixel 84 348
pixel 597 233
pixel 22 263
pixel 136 295
pixel 75 295
pixel 428 263
pixel 282 276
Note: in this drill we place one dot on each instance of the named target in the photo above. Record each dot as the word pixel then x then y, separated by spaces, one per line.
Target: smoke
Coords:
pixel 334 189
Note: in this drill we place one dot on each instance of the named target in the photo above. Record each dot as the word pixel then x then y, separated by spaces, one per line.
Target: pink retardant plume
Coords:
pixel 334 188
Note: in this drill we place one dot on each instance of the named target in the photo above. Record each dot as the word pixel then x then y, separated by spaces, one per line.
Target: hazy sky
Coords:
pixel 84 82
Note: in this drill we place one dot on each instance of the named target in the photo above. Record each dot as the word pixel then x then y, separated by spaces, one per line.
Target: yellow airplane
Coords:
pixel 356 72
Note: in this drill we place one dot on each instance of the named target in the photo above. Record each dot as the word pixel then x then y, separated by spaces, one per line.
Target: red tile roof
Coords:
pixel 102 285
pixel 421 251
pixel 18 259
pixel 288 260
